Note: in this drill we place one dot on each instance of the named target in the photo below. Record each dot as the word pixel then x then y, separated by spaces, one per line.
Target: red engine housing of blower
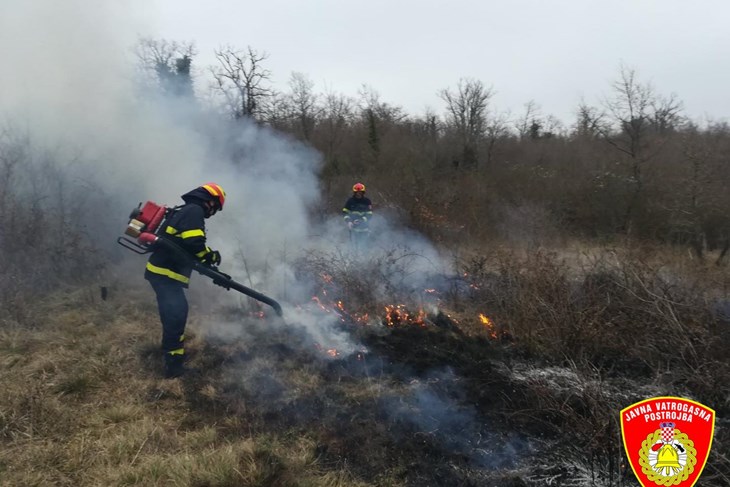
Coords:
pixel 146 219
pixel 151 214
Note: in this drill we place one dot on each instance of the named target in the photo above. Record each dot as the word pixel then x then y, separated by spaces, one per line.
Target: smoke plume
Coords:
pixel 71 89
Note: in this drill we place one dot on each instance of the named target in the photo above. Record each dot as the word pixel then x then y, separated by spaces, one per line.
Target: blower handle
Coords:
pixel 219 278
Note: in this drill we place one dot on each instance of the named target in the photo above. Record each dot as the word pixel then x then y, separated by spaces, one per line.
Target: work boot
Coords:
pixel 174 366
pixel 173 371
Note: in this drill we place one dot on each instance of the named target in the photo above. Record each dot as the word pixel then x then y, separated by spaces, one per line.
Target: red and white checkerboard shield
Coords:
pixel 667 432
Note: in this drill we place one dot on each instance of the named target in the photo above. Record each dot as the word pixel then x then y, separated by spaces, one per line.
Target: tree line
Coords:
pixel 631 165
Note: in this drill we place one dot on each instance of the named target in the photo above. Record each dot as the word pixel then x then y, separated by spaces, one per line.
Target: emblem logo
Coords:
pixel 667 440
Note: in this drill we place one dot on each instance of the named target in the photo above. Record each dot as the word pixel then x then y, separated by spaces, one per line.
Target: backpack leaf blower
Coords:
pixel 146 223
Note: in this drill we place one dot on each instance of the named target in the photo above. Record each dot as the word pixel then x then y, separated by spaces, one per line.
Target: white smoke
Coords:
pixel 70 82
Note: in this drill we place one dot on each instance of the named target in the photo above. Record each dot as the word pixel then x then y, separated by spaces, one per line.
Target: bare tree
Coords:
pixel 589 121
pixel 242 80
pixel 378 117
pixel 303 103
pixel 467 113
pixel 529 124
pixel 385 112
pixel 700 194
pixel 629 110
pixel 697 154
pixel 12 156
pixel 666 114
pixel 170 62
pixel 276 112
pixel 497 127
pixel 337 113
pixel 534 125
pixel 636 123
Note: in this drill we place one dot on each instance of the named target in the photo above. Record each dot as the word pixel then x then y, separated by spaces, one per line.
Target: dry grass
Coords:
pixel 625 324
pixel 83 404
pixel 438 404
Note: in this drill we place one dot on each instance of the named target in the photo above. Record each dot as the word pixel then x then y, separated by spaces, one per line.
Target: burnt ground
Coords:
pixel 400 411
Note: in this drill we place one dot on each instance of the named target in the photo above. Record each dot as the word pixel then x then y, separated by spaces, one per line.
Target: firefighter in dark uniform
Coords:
pixel 358 211
pixel 169 275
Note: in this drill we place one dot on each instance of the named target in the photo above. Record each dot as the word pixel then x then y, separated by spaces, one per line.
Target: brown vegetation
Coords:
pixel 632 165
pixel 445 400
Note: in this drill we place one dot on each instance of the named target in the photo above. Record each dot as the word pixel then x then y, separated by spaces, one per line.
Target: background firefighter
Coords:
pixel 358 212
pixel 169 275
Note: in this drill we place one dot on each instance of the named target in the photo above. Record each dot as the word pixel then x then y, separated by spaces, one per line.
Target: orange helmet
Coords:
pixel 358 187
pixel 216 192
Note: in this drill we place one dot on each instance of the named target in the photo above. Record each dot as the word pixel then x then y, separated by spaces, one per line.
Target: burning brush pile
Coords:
pixel 379 292
pixel 402 387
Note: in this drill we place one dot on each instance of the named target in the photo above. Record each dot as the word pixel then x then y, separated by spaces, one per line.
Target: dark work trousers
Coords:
pixel 173 307
pixel 359 240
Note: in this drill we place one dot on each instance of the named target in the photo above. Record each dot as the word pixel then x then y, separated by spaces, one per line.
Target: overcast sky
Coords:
pixel 550 51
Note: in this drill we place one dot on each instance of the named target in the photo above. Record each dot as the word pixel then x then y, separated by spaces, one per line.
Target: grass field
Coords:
pixel 528 393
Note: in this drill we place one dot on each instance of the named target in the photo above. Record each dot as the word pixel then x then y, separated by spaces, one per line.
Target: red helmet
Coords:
pixel 358 188
pixel 216 192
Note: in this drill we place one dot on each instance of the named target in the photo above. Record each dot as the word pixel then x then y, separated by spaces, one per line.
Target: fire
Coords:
pixel 486 321
pixel 338 308
pixel 328 302
pixel 489 324
pixel 332 352
pixel 398 314
pixel 319 303
pixel 257 313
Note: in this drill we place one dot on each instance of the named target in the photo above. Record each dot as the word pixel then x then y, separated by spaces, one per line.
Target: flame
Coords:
pixel 338 308
pixel 397 314
pixel 319 303
pixel 331 352
pixel 489 324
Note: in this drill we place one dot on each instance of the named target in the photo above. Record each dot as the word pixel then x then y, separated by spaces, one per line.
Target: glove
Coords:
pixel 349 225
pixel 212 258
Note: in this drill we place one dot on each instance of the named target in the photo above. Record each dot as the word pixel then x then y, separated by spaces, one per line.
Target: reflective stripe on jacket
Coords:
pixel 186 227
pixel 358 209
